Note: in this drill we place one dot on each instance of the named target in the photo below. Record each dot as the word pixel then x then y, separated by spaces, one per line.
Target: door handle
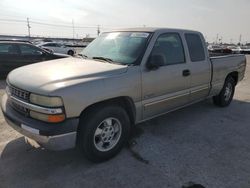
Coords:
pixel 186 72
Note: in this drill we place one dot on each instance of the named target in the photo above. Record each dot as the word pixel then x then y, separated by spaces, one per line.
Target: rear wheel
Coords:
pixel 226 95
pixel 103 132
pixel 71 52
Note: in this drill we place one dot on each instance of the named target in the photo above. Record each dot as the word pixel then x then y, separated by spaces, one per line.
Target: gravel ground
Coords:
pixel 201 144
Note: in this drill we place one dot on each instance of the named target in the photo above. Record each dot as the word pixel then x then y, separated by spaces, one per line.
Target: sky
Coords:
pixel 226 18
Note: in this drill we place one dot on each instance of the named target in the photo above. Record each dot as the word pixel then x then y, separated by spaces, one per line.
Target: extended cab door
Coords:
pixel 199 66
pixel 166 87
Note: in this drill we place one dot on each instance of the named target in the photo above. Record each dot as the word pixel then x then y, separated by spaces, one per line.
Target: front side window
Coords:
pixel 29 50
pixel 50 45
pixel 195 47
pixel 120 47
pixel 169 48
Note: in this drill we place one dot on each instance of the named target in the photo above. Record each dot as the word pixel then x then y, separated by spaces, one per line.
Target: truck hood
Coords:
pixel 43 77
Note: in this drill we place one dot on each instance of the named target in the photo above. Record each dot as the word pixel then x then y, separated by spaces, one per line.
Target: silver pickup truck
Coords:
pixel 122 78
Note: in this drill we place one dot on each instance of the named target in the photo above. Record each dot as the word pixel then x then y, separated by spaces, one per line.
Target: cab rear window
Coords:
pixel 195 47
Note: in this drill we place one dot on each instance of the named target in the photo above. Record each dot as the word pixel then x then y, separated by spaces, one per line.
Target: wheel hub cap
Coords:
pixel 107 134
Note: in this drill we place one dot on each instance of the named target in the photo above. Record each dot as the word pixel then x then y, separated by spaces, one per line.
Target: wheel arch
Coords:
pixel 234 75
pixel 125 102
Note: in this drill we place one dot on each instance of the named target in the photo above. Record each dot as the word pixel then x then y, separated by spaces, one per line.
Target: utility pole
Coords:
pixel 221 39
pixel 217 37
pixel 240 39
pixel 73 27
pixel 28 25
pixel 98 30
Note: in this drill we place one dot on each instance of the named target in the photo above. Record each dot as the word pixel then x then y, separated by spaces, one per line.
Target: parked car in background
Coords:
pixel 245 50
pixel 235 49
pixel 17 54
pixel 217 50
pixel 58 48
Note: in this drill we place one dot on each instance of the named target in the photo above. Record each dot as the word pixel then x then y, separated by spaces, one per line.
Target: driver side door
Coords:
pixel 167 87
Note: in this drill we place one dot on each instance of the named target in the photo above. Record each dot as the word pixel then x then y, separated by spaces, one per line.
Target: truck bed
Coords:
pixel 222 66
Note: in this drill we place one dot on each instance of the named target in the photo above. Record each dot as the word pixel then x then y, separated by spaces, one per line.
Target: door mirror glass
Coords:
pixel 155 61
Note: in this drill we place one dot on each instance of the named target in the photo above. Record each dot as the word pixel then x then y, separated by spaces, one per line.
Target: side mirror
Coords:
pixel 155 61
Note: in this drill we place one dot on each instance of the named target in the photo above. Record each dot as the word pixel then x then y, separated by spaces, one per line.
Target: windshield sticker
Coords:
pixel 112 35
pixel 141 35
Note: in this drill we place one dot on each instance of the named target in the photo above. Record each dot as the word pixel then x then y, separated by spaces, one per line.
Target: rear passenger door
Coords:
pixel 165 88
pixel 199 66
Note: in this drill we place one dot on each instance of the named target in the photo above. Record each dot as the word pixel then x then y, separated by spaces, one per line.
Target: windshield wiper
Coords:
pixel 108 60
pixel 104 59
pixel 83 56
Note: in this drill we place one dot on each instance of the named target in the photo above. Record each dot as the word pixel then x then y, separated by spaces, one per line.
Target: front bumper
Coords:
pixel 57 136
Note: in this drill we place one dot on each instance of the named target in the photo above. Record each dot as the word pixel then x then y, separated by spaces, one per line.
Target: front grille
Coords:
pixel 20 108
pixel 18 93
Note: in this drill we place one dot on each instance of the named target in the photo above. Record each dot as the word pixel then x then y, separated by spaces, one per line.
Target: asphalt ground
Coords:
pixel 201 143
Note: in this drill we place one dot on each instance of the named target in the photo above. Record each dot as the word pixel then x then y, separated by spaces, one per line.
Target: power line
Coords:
pixel 13 20
pixel 60 25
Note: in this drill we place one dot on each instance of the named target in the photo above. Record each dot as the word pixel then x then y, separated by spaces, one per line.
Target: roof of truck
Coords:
pixel 152 29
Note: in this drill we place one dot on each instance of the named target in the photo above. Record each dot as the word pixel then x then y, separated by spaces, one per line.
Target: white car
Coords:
pixel 235 49
pixel 57 48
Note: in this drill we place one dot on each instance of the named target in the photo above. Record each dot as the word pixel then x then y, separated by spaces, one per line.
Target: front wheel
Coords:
pixel 226 95
pixel 103 132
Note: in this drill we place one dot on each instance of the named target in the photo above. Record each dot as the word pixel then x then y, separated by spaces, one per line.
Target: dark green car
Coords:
pixel 15 54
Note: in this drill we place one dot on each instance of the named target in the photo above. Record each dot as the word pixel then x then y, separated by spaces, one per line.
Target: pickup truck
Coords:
pixel 122 78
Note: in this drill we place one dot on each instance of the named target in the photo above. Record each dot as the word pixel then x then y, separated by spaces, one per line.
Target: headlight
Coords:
pixel 46 101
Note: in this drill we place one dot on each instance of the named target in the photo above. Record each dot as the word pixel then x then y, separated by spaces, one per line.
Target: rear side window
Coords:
pixel 9 49
pixel 4 48
pixel 195 47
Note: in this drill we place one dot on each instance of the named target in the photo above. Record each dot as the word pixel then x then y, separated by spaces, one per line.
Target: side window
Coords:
pixel 29 50
pixel 169 48
pixel 195 47
pixel 58 45
pixel 9 49
pixel 4 48
pixel 50 45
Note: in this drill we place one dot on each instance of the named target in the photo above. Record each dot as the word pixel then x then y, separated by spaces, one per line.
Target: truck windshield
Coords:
pixel 118 47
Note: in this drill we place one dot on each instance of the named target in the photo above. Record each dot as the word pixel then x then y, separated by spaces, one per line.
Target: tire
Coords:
pixel 226 95
pixel 103 131
pixel 71 52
